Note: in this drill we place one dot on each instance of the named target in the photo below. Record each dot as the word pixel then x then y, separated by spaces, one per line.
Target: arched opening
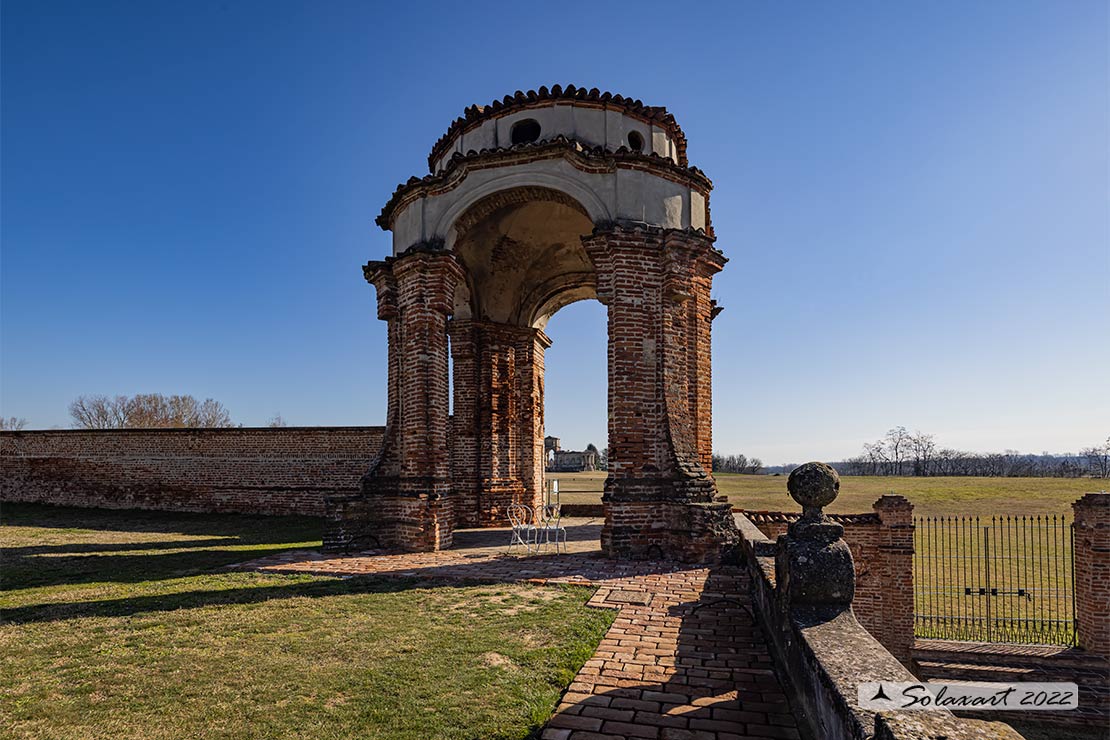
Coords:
pixel 576 397
pixel 524 260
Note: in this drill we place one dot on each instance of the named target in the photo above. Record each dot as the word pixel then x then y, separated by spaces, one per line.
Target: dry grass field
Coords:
pixel 930 496
pixel 1027 563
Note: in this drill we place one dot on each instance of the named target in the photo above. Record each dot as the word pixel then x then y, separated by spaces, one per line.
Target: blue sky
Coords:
pixel 914 197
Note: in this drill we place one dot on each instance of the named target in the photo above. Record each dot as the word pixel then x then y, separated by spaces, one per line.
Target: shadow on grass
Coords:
pixel 28 564
pixel 32 571
pixel 131 606
pixel 270 528
pixel 78 548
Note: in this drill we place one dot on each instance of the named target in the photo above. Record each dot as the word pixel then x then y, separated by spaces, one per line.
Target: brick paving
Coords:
pixel 683 660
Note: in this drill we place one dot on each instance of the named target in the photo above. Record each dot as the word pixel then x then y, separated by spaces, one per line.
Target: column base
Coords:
pixel 667 520
pixel 495 497
pixel 412 515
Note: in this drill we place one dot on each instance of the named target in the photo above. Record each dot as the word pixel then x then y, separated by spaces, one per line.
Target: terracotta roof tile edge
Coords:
pixel 475 114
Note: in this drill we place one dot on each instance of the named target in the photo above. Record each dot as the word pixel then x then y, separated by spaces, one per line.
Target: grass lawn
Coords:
pixel 124 624
pixel 930 496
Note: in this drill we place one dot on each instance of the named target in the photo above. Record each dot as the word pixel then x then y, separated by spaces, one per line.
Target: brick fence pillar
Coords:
pixel 405 500
pixel 660 497
pixel 1092 572
pixel 896 570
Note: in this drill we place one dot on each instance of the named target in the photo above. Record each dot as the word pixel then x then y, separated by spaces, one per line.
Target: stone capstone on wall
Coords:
pixel 881 543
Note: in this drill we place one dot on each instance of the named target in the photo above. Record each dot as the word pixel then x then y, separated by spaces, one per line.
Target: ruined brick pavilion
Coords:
pixel 532 203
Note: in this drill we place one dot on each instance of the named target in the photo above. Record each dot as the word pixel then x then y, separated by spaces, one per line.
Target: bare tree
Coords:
pixel 877 456
pixel 737 464
pixel 897 445
pixel 12 424
pixel 277 421
pixel 147 411
pixel 917 454
pixel 99 412
pixel 1098 459
pixel 922 446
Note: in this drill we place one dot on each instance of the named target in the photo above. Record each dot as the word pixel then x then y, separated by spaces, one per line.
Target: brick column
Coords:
pixel 895 567
pixel 660 498
pixel 498 419
pixel 405 502
pixel 531 347
pixel 499 482
pixel 1092 572
pixel 464 458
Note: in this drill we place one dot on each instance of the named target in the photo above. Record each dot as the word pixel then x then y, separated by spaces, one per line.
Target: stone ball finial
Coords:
pixel 814 485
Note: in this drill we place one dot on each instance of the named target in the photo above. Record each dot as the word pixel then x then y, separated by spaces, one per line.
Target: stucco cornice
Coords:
pixel 595 160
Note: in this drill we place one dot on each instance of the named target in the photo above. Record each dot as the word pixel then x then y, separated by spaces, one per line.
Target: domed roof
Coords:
pixel 476 114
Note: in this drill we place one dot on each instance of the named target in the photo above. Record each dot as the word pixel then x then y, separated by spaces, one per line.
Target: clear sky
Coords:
pixel 914 197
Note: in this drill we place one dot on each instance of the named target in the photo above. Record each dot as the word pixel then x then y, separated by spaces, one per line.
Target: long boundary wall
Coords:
pixel 283 470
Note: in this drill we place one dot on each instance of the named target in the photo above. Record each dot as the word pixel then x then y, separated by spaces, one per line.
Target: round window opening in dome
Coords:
pixel 525 132
pixel 635 141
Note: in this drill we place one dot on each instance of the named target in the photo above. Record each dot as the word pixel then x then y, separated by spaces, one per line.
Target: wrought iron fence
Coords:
pixel 1002 579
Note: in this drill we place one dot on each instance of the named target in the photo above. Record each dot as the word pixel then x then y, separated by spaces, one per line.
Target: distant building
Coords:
pixel 569 461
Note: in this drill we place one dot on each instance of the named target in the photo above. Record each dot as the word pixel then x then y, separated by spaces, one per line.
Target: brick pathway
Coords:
pixel 683 659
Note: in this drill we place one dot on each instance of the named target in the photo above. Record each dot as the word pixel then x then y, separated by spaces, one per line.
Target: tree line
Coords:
pixel 900 452
pixel 737 464
pixel 147 411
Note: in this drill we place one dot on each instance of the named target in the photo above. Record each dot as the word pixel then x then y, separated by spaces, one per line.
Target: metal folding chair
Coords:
pixel 553 531
pixel 524 530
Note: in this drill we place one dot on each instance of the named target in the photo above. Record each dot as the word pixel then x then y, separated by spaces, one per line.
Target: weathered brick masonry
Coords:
pixel 591 199
pixel 252 471
pixel 497 428
pixel 660 495
pixel 882 550
pixel 1092 572
pixel 404 500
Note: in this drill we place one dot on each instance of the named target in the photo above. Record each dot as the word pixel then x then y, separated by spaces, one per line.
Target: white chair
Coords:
pixel 553 531
pixel 524 528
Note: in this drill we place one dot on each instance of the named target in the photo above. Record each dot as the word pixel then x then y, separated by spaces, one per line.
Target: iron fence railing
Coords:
pixel 997 579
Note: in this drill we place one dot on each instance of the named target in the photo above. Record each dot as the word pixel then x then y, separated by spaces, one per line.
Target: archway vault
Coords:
pixel 522 252
pixel 486 250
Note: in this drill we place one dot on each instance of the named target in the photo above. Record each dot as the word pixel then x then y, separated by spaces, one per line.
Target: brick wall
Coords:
pixel 1092 572
pixel 882 550
pixel 256 471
